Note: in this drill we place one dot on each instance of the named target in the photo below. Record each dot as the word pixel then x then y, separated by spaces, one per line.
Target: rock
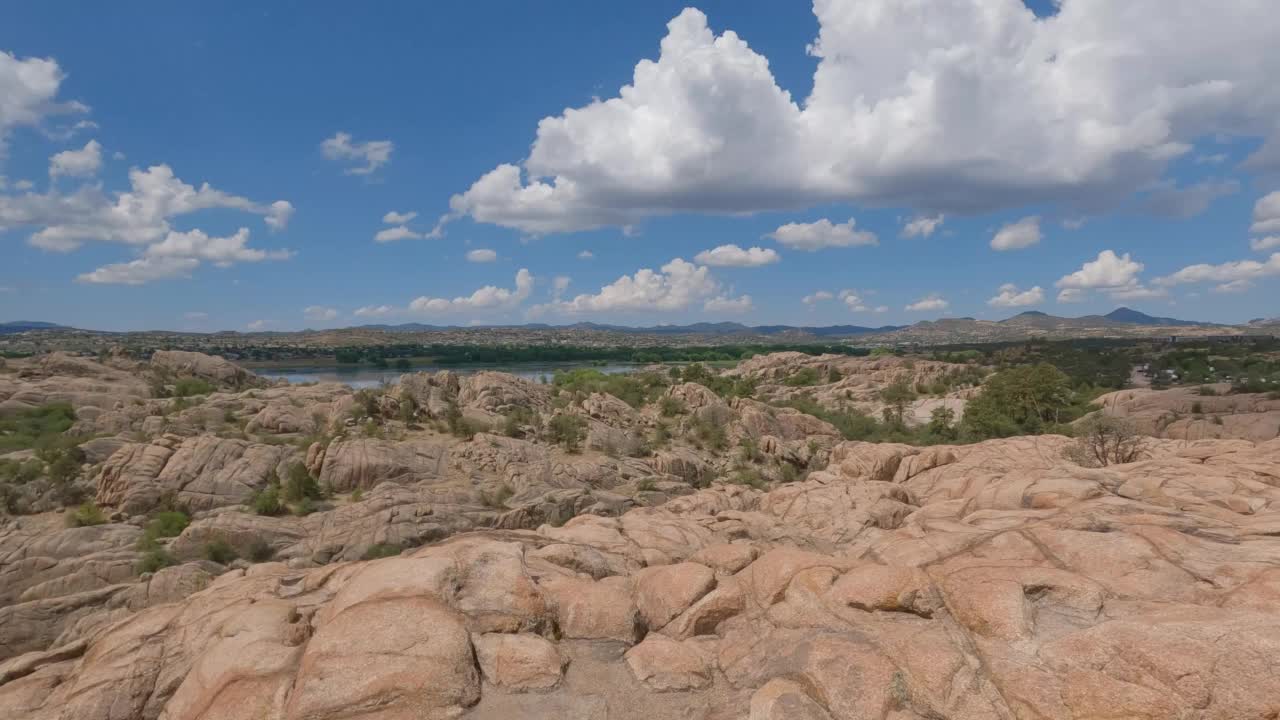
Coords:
pixel 594 610
pixel 519 662
pixel 781 699
pixel 217 370
pixel 664 665
pixel 664 592
pixel 365 462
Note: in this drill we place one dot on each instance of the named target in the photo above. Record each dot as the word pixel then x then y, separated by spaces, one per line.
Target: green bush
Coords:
pixel 635 389
pixel 260 551
pixel 382 550
pixel 155 559
pixel 190 387
pixel 86 515
pixel 803 377
pixel 671 407
pixel 169 523
pixel 498 498
pixel 1197 408
pixel 20 472
pixel 220 551
pixel 1022 401
pixel 38 427
pixel 267 500
pixel 1206 390
pixel 567 430
pixel 299 485
pixel 357 495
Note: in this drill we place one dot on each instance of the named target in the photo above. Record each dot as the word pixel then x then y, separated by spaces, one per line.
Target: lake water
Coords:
pixel 366 377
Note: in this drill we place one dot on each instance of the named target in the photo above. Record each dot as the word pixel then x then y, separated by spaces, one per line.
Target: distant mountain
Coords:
pixel 1134 317
pixel 18 326
pixel 702 328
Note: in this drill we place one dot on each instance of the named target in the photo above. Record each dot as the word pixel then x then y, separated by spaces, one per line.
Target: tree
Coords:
pixel 897 397
pixel 1019 401
pixel 942 422
pixel 1103 440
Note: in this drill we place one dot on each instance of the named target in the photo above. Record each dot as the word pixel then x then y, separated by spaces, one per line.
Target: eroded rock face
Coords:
pixel 994 581
pixel 219 371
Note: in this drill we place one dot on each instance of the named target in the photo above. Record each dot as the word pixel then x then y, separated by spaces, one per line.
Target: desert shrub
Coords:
pixel 357 495
pixel 515 420
pixel 671 407
pixel 834 375
pixel 1206 390
pixel 37 427
pixel 85 515
pixel 20 472
pixel 303 507
pixel 707 433
pixel 1020 401
pixel 300 485
pixel 1197 408
pixel 382 550
pixel 645 485
pixel 896 397
pixel 499 497
pixel 155 559
pixel 788 473
pixel 1103 440
pixel 803 377
pixel 567 430
pixel 458 425
pixel 407 409
pixel 169 523
pixel 635 389
pixel 942 423
pixel 267 500
pixel 750 450
pixel 260 550
pixel 725 387
pixel 189 387
pixel 661 435
pixel 750 478
pixel 219 551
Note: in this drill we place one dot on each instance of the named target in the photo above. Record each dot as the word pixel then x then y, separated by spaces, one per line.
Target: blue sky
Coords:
pixel 1139 177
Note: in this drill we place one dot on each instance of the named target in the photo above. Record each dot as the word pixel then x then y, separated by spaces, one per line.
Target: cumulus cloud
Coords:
pixel 853 300
pixel 1010 296
pixel 1270 242
pixel 1071 295
pixel 929 303
pixel 397 218
pixel 822 234
pixel 817 297
pixel 988 107
pixel 734 256
pixel 488 297
pixel 399 232
pixel 84 162
pixel 1017 235
pixel 140 271
pixel 139 216
pixel 374 311
pixel 922 226
pixel 586 255
pixel 481 255
pixel 675 286
pixel 1167 199
pixel 319 313
pixel 221 251
pixel 367 156
pixel 30 88
pixel 1266 214
pixel 1107 271
pixel 1235 286
pixel 724 304
pixel 1227 272
pixel 559 285
pixel 1136 292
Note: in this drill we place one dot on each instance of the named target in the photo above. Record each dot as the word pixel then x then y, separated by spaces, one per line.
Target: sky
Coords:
pixel 320 164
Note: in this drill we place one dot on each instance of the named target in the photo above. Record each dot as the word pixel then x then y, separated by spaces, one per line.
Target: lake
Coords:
pixel 364 376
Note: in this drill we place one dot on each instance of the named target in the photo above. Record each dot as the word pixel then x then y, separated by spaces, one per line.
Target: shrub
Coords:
pixel 834 375
pixel 671 407
pixel 708 434
pixel 1197 408
pixel 896 397
pixel 357 495
pixel 567 430
pixel 86 515
pixel 498 498
pixel 260 551
pixel 515 420
pixel 382 550
pixel 942 422
pixel 165 524
pixel 189 387
pixel 37 427
pixel 1103 440
pixel 646 485
pixel 803 378
pixel 303 507
pixel 1020 401
pixel 267 500
pixel 220 551
pixel 1206 390
pixel 299 485
pixel 154 560
pixel 750 478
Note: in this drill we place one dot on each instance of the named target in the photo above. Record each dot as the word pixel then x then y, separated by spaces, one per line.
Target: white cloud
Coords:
pixel 488 297
pixel 397 218
pixel 399 232
pixel 1227 272
pixel 140 271
pixel 1010 296
pixel 77 163
pixel 817 297
pixel 559 285
pixel 734 256
pixel 257 325
pixel 319 313
pixel 369 156
pixel 586 255
pixel 854 301
pixel 374 311
pixel 481 255
pixel 221 251
pixel 922 226
pixel 928 303
pixel 1107 271
pixel 1017 235
pixel 724 304
pixel 1266 214
pixel 987 107
pixel 822 234
pixel 1071 295
pixel 140 216
pixel 1270 242
pixel 29 88
pixel 1235 286
pixel 676 286
pixel 1074 223
pixel 1136 291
